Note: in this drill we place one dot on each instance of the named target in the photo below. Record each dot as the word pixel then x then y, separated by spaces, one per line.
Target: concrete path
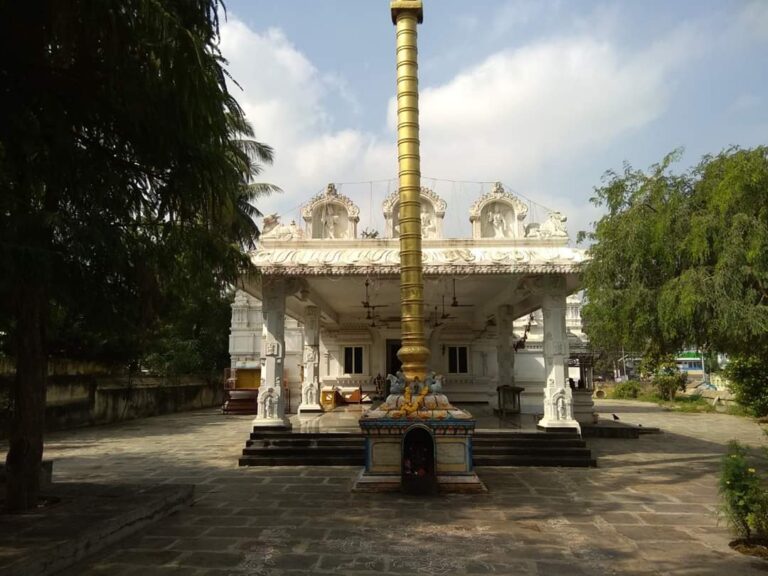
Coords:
pixel 649 508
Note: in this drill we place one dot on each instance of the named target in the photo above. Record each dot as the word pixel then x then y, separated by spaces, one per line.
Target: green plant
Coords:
pixel 744 500
pixel 694 403
pixel 737 409
pixel 748 376
pixel 629 390
pixel 667 386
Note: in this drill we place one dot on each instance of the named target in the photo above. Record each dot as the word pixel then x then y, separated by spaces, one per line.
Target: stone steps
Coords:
pixel 273 448
pixel 561 461
pixel 530 449
pixel 526 443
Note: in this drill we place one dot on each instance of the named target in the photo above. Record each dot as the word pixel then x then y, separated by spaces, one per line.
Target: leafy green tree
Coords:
pixel 124 164
pixel 682 259
pixel 748 375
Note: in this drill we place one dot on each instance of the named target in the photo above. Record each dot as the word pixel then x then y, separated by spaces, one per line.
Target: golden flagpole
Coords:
pixel 414 354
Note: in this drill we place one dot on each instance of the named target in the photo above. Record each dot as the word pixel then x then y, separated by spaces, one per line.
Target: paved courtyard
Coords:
pixel 649 508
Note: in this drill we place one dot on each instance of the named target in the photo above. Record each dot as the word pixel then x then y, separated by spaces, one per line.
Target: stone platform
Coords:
pixel 78 520
pixel 649 509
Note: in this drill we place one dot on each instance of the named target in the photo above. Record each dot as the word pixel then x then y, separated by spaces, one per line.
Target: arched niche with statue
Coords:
pixel 498 214
pixel 432 214
pixel 331 216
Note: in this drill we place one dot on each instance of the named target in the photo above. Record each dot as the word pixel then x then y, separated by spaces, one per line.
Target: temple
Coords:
pixel 434 315
pixel 500 307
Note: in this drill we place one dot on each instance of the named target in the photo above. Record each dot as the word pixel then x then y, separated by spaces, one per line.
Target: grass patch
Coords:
pixel 736 409
pixel 692 404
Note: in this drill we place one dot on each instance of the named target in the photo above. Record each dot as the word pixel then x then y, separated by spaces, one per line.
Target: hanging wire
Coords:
pixel 435 183
pixel 370 204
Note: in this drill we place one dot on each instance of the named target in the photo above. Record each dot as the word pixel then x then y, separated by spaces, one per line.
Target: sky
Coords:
pixel 544 96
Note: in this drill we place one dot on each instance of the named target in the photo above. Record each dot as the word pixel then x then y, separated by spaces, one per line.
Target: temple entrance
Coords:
pixel 393 362
pixel 417 473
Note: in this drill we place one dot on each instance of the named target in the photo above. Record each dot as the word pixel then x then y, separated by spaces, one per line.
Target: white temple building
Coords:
pixel 500 308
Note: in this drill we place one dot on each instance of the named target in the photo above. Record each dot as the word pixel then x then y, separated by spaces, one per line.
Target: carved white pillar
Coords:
pixel 271 401
pixel 558 397
pixel 310 388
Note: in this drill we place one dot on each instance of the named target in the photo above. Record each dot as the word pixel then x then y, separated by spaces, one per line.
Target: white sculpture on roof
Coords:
pixel 272 228
pixel 498 214
pixel 432 214
pixel 331 215
pixel 553 227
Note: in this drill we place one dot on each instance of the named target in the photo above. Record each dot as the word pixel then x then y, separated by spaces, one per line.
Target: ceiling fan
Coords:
pixel 372 307
pixel 434 320
pixel 455 302
pixel 366 303
pixel 445 315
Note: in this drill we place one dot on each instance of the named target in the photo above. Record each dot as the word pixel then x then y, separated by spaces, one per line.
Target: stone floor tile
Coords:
pixel 304 520
pixel 209 559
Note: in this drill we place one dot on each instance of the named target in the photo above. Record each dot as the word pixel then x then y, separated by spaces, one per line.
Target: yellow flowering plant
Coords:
pixel 744 497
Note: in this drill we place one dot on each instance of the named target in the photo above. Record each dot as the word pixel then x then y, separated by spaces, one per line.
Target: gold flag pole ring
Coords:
pixel 414 354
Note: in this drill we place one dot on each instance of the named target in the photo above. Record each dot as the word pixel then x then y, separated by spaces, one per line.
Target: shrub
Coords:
pixel 667 385
pixel 667 379
pixel 627 390
pixel 744 500
pixel 748 377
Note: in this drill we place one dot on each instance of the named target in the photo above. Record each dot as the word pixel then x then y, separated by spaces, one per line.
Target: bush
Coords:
pixel 748 376
pixel 745 501
pixel 667 385
pixel 629 390
pixel 667 379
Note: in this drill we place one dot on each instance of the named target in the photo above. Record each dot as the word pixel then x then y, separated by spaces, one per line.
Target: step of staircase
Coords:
pixel 561 461
pixel 490 448
pixel 273 448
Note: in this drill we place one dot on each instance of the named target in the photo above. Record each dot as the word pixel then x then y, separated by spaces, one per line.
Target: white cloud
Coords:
pixel 521 108
pixel 505 118
pixel 754 19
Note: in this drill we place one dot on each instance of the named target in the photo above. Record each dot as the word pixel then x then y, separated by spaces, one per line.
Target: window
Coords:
pixel 353 359
pixel 457 360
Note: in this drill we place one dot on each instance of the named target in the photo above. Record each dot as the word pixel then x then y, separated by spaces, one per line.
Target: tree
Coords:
pixel 123 158
pixel 682 259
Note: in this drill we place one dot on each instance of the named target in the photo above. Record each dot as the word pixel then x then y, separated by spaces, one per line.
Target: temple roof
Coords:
pixel 364 257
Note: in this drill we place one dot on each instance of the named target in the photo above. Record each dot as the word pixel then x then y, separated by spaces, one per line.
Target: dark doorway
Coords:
pixel 417 473
pixel 393 362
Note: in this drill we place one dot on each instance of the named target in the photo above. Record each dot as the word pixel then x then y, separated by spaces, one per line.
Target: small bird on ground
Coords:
pixel 615 417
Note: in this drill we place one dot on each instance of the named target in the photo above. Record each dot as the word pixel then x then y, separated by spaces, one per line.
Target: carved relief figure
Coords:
pixel 271 349
pixel 432 214
pixel 498 223
pixel 331 215
pixel 428 226
pixel 561 408
pixel 269 407
pixel 271 228
pixel 330 222
pixel 554 227
pixel 268 403
pixel 396 382
pixel 311 355
pixel 310 392
pixel 497 214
